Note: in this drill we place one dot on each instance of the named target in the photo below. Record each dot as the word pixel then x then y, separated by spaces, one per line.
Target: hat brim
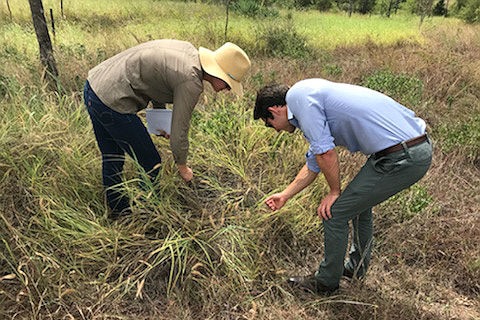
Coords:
pixel 210 66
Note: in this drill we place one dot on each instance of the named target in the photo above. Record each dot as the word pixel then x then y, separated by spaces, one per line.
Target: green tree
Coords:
pixel 387 7
pixel 365 6
pixel 360 6
pixel 421 8
pixel 302 4
pixel 323 5
pixel 471 12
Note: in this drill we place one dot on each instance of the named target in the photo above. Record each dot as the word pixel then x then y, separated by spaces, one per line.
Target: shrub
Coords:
pixel 471 12
pixel 415 200
pixel 282 39
pixel 404 88
pixel 465 134
pixel 252 8
pixel 323 5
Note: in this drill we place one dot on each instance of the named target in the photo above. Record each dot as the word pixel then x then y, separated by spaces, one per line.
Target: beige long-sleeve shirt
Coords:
pixel 165 71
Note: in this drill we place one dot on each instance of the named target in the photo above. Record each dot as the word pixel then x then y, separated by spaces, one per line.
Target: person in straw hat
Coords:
pixel 156 72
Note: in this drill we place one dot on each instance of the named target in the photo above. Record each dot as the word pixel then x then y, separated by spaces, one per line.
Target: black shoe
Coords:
pixel 347 273
pixel 310 284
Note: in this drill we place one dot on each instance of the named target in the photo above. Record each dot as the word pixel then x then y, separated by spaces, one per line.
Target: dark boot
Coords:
pixel 311 284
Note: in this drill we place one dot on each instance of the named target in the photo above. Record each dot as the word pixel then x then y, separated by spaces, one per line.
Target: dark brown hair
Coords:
pixel 268 96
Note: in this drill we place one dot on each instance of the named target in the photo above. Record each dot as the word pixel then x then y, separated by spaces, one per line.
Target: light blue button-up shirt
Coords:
pixel 338 114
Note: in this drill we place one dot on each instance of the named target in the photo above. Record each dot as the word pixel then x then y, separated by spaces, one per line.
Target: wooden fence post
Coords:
pixel 44 42
pixel 9 10
pixel 52 20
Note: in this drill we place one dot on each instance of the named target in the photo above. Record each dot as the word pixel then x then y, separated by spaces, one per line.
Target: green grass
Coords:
pixel 144 20
pixel 331 30
pixel 465 135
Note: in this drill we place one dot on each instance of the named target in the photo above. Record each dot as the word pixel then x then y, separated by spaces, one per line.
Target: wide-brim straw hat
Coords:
pixel 229 63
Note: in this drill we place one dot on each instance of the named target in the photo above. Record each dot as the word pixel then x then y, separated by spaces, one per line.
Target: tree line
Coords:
pixel 467 10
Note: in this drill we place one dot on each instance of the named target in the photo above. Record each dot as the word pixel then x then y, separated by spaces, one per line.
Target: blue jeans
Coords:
pixel 378 180
pixel 117 134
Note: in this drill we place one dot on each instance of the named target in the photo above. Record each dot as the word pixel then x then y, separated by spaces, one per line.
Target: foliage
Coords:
pixel 414 6
pixel 279 39
pixel 365 6
pixel 332 69
pixel 8 86
pixel 440 9
pixel 253 8
pixel 415 201
pixel 323 5
pixel 388 7
pixel 464 134
pixel 401 87
pixel 471 12
pixel 358 6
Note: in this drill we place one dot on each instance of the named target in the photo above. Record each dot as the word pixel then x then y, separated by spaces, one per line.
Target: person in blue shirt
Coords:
pixel 362 120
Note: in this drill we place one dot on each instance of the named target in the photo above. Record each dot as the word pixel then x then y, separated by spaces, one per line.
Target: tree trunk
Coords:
pixel 389 10
pixel 43 37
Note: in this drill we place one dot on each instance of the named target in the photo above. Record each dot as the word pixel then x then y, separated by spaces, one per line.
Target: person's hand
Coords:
pixel 185 172
pixel 276 201
pixel 323 210
pixel 162 133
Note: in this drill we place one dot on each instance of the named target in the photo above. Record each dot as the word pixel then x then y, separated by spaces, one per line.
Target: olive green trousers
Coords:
pixel 378 180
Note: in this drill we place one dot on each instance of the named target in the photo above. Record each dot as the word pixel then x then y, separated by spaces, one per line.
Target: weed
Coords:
pixel 332 69
pixel 401 87
pixel 464 135
pixel 254 9
pixel 8 87
pixel 282 39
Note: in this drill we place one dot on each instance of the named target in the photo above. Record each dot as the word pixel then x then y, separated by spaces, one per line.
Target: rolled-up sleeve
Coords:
pixel 312 121
pixel 311 162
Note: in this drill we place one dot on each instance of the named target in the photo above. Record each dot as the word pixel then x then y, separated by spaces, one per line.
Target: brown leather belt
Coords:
pixel 401 146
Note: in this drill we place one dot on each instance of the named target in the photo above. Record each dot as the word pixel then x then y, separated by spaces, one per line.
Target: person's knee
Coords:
pixel 339 214
pixel 335 223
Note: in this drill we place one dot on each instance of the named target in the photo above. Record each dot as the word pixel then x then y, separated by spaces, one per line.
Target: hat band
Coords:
pixel 231 76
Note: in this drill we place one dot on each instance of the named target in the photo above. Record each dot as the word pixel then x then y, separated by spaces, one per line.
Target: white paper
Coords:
pixel 159 120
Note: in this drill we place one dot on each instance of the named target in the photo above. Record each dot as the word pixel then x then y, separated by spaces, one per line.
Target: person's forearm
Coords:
pixel 179 145
pixel 303 179
pixel 328 163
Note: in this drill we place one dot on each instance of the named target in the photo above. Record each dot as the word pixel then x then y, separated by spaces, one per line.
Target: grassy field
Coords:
pixel 213 250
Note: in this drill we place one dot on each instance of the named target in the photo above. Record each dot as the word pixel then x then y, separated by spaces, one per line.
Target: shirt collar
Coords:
pixel 291 118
